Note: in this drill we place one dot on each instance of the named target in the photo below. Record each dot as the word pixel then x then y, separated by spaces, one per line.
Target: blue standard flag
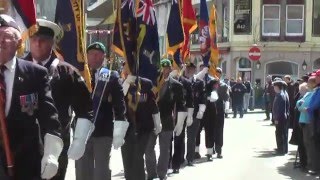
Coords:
pixel 72 44
pixel 175 29
pixel 148 41
pixel 136 38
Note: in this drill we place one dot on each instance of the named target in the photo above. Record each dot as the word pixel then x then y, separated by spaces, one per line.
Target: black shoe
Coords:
pixel 267 119
pixel 197 155
pixel 189 163
pixel 163 178
pixel 219 156
pixel 175 171
pixel 278 153
pixel 209 157
pixel 241 117
pixel 234 117
pixel 312 173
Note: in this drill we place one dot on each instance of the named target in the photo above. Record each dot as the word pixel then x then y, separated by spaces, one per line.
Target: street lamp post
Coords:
pixel 304 65
pixel 258 65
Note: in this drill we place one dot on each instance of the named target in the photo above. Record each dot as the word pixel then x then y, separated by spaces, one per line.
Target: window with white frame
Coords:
pixel 295 20
pixel 271 20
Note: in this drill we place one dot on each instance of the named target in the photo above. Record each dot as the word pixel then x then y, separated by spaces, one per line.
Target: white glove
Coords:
pixel 84 128
pixel 214 96
pixel 190 117
pixel 202 108
pixel 226 106
pixel 119 132
pixel 157 123
pixel 202 73
pixel 126 84
pixel 52 148
pixel 180 121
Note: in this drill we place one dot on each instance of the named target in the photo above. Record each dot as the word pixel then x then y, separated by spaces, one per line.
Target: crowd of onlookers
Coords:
pixel 296 105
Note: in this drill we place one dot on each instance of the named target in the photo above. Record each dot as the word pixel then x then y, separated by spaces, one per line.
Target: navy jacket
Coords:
pixel 112 107
pixel 199 94
pixel 69 92
pixel 170 95
pixel 141 119
pixel 32 114
pixel 281 106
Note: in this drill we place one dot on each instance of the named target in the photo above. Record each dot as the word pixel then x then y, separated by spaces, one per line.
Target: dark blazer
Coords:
pixel 69 92
pixel 172 91
pixel 199 94
pixel 280 110
pixel 187 91
pixel 30 81
pixel 141 120
pixel 112 107
pixel 238 91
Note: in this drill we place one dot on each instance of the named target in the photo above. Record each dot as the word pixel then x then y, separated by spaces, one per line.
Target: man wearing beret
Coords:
pixel 69 93
pixel 170 95
pixel 29 111
pixel 179 141
pixel 109 118
pixel 223 96
pixel 199 97
pixel 207 113
pixel 96 53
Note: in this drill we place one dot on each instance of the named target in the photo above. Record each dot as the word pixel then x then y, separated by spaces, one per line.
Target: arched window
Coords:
pixel 244 63
pixel 282 68
pixel 316 64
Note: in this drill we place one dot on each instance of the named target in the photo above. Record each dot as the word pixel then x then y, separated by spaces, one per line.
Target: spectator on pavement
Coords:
pixel 238 91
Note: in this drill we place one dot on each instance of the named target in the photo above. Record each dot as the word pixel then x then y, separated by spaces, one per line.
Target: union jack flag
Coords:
pixel 147 12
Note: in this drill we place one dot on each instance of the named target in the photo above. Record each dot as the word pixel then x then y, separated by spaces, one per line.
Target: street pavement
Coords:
pixel 247 155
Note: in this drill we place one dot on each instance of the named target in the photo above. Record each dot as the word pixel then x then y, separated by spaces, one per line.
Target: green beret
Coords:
pixel 165 63
pixel 97 46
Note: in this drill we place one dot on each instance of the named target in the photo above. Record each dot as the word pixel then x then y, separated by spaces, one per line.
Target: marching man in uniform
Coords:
pixel 144 119
pixel 110 122
pixel 199 97
pixel 29 113
pixel 69 93
pixel 179 141
pixel 170 94
pixel 210 113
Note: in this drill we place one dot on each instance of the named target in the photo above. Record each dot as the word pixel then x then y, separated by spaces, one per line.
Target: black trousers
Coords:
pixel 132 154
pixel 177 159
pixel 268 110
pixel 282 137
pixel 238 107
pixel 218 132
pixel 192 132
pixel 208 124
pixel 63 159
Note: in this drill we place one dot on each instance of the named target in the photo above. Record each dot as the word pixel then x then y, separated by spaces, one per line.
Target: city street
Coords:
pixel 247 155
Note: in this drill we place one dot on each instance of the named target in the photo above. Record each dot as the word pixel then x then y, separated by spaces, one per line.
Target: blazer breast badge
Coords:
pixel 29 103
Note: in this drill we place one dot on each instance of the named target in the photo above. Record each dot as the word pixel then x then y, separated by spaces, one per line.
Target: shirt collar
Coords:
pixel 43 63
pixel 11 65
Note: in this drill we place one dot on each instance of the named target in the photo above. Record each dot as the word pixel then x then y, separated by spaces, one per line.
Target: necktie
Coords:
pixel 93 78
pixel 2 85
pixel 2 92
